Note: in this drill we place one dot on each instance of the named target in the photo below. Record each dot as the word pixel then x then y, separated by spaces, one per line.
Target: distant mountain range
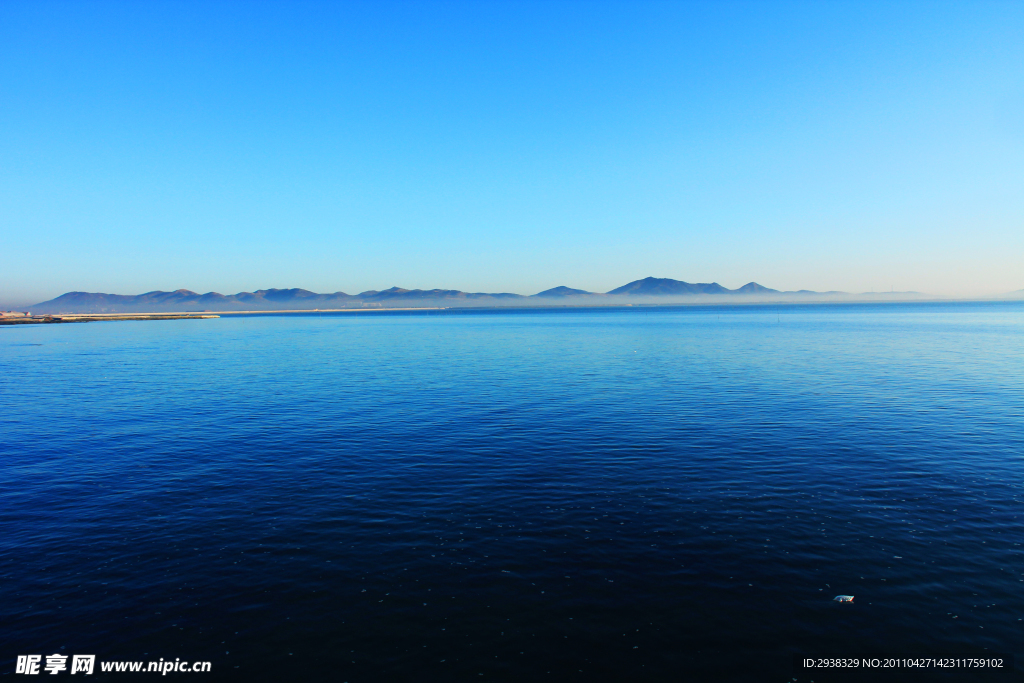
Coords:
pixel 649 289
pixel 662 286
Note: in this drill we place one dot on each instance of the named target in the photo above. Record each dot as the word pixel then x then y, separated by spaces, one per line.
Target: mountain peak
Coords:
pixel 562 291
pixel 663 286
pixel 754 288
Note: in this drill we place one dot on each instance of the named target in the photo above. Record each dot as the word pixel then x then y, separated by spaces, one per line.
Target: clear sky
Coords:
pixel 510 146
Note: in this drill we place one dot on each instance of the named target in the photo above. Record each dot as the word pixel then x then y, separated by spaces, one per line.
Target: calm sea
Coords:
pixel 667 494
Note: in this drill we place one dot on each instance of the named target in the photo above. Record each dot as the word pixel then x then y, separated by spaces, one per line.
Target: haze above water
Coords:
pixel 655 494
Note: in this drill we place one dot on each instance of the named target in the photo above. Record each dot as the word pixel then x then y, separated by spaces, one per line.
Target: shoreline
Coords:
pixel 98 317
pixel 57 318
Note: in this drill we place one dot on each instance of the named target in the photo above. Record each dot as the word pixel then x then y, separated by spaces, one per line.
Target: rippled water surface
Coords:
pixel 627 494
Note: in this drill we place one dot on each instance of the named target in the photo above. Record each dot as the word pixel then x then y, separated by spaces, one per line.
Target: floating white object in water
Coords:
pixel 843 598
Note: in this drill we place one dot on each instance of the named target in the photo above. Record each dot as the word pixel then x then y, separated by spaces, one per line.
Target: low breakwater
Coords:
pixel 48 319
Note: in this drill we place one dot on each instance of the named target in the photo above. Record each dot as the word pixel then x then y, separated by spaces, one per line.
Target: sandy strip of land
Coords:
pixel 92 317
pixel 96 317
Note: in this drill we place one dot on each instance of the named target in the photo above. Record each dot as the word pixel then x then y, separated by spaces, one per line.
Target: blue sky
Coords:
pixel 510 146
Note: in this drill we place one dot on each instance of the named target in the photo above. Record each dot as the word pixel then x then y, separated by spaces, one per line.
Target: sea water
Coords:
pixel 516 495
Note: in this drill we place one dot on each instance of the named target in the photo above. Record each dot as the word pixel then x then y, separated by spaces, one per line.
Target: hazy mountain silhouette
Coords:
pixel 662 286
pixel 303 299
pixel 430 294
pixel 562 292
pixel 754 288
pixel 186 300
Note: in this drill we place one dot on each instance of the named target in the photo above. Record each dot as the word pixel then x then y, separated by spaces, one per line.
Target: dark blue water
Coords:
pixel 629 494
